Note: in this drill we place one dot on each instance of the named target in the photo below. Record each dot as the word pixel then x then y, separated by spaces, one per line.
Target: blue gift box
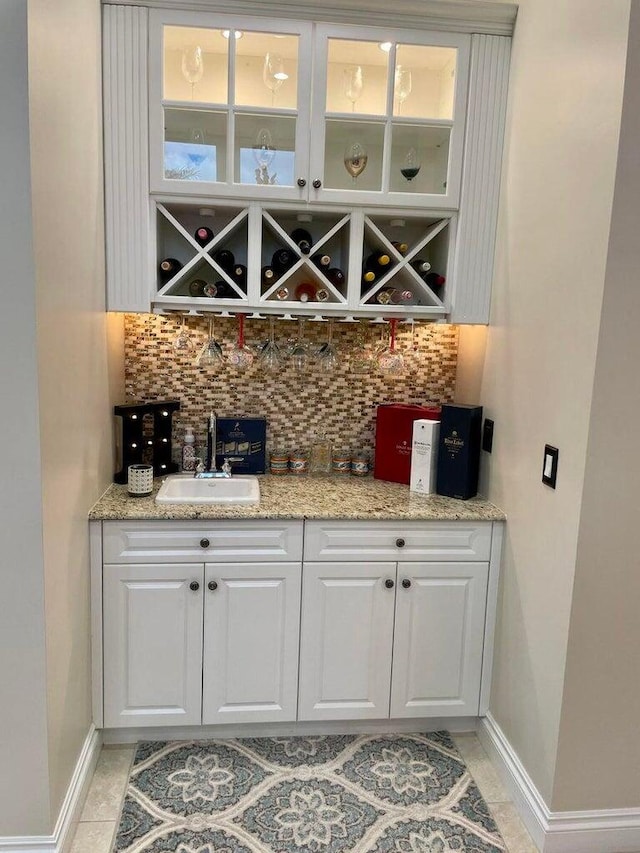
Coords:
pixel 243 442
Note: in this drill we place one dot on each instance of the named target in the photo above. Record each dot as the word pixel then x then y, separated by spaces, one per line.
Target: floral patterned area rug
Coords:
pixel 356 793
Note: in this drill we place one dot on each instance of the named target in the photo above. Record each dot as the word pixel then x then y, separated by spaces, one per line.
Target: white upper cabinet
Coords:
pixel 267 109
pixel 229 106
pixel 388 116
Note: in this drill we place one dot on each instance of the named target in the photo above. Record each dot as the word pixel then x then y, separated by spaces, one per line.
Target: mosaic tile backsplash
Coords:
pixel 297 405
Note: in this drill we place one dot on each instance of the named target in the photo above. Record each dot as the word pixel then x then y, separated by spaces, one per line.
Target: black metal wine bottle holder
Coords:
pixel 145 440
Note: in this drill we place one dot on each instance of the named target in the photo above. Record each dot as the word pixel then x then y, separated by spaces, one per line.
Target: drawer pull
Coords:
pixel 317 184
pixel 399 543
pixel 213 586
pixel 194 586
pixel 389 583
pixel 406 583
pixel 204 543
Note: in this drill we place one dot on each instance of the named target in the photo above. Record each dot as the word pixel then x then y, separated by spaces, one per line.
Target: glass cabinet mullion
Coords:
pixel 386 155
pixel 231 142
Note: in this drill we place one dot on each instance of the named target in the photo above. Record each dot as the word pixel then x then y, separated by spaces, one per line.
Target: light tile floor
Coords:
pixel 102 809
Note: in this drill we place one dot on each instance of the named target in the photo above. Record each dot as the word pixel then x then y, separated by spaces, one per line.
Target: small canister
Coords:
pixel 279 462
pixel 298 462
pixel 139 480
pixel 340 461
pixel 360 464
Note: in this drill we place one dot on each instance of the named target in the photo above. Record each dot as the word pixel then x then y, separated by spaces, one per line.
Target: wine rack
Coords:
pixel 201 278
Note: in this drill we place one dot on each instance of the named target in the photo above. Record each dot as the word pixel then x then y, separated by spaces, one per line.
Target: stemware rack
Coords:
pixel 252 233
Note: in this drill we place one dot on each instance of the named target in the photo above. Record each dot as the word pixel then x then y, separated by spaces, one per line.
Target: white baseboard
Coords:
pixel 316 727
pixel 61 838
pixel 597 831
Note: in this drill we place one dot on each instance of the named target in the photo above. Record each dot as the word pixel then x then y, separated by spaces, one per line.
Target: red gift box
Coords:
pixel 394 428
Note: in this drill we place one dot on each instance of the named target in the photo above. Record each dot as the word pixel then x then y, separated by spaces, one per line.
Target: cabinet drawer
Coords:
pixel 201 541
pixel 397 540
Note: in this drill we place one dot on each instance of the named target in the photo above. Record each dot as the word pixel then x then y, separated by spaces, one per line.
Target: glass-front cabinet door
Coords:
pixel 388 116
pixel 229 106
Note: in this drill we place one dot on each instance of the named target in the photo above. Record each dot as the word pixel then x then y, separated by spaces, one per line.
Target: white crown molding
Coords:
pixel 62 837
pixel 597 831
pixel 468 16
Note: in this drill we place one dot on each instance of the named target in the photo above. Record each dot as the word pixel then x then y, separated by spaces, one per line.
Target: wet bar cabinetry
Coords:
pixel 383 143
pixel 198 623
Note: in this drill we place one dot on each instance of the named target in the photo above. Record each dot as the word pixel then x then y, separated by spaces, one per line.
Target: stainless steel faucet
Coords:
pixel 202 471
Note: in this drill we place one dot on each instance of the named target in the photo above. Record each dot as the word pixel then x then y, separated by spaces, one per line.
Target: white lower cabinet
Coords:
pixel 405 630
pixel 251 627
pixel 346 638
pixel 152 644
pixel 438 639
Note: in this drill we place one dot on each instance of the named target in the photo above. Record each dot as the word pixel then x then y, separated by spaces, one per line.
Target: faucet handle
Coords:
pixel 226 468
pixel 199 469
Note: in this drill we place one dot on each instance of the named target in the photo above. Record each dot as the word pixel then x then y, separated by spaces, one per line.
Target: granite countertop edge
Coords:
pixel 305 498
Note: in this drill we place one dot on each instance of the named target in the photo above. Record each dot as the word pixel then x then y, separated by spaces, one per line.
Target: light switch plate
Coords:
pixel 550 466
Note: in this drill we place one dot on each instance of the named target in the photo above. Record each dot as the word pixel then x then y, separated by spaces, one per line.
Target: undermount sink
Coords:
pixel 186 489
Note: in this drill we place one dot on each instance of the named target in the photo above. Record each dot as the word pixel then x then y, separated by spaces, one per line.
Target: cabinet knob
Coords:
pixel 204 543
pixel 406 583
pixel 194 586
pixel 302 182
pixel 399 543
pixel 213 586
pixel 317 184
pixel 389 583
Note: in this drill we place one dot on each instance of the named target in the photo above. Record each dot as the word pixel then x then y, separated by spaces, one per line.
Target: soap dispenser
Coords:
pixel 189 450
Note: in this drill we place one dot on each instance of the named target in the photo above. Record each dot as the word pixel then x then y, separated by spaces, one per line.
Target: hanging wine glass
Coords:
pixel 211 354
pixel 271 357
pixel 391 362
pixel 183 341
pixel 355 159
pixel 362 360
pixel 327 358
pixel 353 84
pixel 240 356
pixel 402 85
pixel 411 164
pixel 192 65
pixel 273 73
pixel 300 351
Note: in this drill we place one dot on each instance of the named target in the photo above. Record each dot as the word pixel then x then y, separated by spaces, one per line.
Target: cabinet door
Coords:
pixel 152 644
pixel 228 105
pixel 251 630
pixel 346 640
pixel 438 640
pixel 389 115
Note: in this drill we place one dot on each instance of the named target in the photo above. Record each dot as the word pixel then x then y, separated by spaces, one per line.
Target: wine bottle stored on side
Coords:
pixel 197 287
pixel 433 279
pixel 403 248
pixel 239 275
pixel 377 262
pixel 336 276
pixel 282 260
pixel 203 235
pixel 306 292
pixel 321 260
pixel 420 265
pixel 225 259
pixel 167 268
pixel 302 239
pixel 267 276
pixel 368 278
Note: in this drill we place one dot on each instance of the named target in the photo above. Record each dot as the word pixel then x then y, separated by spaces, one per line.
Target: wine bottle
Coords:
pixel 197 287
pixel 282 260
pixel 282 293
pixel 433 279
pixel 302 239
pixel 321 260
pixel 368 278
pixel 403 248
pixel 225 259
pixel 322 295
pixel 239 275
pixel 267 276
pixel 167 268
pixel 335 276
pixel 420 265
pixel 383 297
pixel 377 262
pixel 203 235
pixel 306 292
pixel 210 290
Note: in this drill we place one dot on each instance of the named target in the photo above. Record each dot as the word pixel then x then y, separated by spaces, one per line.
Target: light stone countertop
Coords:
pixel 307 496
